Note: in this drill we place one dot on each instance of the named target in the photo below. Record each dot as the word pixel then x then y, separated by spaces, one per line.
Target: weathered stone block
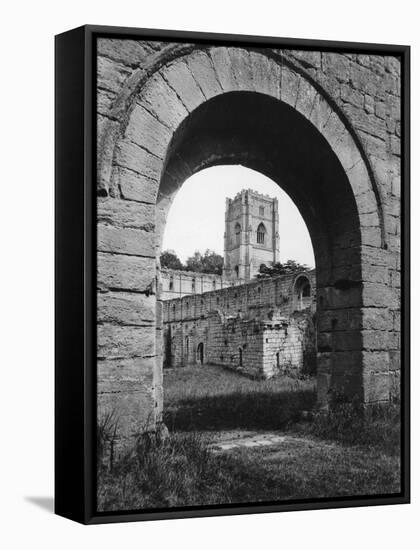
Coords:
pixel 333 129
pixel 180 78
pixel 111 75
pixel 203 71
pixel 128 52
pixel 118 240
pixel 266 74
pixel 306 98
pixel 135 187
pixel 126 375
pixel 148 132
pixel 126 272
pixel 321 112
pixel 125 214
pixel 223 66
pixel 118 342
pixel 290 82
pixel 131 156
pixel 126 308
pixel 162 100
pixel 377 386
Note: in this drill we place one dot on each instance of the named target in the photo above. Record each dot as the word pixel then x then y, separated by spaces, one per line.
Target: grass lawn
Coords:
pixel 213 398
pixel 341 453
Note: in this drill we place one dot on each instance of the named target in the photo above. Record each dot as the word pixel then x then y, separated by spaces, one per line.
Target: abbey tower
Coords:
pixel 251 234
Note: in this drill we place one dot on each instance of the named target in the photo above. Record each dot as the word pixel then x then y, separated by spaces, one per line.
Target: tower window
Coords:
pixel 238 233
pixel 193 285
pixel 261 231
pixel 237 271
pixel 171 283
pixel 261 210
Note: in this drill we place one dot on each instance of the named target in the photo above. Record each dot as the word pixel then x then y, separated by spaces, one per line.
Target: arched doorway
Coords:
pixel 302 293
pixel 200 353
pixel 226 110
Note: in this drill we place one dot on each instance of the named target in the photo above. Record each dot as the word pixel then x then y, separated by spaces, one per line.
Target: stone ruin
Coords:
pixel 325 126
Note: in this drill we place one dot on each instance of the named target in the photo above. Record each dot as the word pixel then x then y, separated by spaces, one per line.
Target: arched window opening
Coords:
pixel 240 357
pixel 193 285
pixel 261 231
pixel 238 234
pixel 237 271
pixel 171 283
pixel 214 284
pixel 200 353
pixel 302 293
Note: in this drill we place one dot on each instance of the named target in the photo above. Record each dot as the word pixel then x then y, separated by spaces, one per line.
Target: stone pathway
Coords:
pixel 249 440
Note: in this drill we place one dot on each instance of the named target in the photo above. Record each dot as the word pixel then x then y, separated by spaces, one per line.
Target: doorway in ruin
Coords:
pixel 200 353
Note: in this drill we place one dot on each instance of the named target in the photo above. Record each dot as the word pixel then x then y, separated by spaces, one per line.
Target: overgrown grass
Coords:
pixel 352 424
pixel 177 471
pixel 212 398
pixel 182 471
pixel 348 451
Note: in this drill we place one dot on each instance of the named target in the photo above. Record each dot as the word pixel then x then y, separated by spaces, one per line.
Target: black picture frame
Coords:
pixel 75 268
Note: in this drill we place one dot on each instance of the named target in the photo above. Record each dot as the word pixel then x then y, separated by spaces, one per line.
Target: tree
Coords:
pixel 209 262
pixel 170 260
pixel 287 268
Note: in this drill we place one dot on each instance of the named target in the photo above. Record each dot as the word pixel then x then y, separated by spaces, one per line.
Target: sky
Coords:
pixel 196 218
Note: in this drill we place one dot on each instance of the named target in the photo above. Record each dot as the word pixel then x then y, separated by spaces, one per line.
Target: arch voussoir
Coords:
pixel 163 101
pixel 147 131
pixel 203 71
pixel 290 82
pixel 178 76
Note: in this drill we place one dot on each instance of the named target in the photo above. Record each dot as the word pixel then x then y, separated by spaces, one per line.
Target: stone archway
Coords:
pixel 198 107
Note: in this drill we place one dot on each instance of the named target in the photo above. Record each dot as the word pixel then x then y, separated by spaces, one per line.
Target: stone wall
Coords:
pixel 177 283
pixel 259 329
pixel 156 102
pixel 252 347
pixel 258 298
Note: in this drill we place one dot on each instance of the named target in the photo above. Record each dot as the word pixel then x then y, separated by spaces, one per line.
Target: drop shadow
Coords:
pixel 46 503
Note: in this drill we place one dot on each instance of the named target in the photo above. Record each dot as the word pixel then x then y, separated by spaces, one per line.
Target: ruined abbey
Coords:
pixel 259 327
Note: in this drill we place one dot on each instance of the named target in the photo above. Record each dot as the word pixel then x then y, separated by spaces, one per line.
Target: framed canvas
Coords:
pixel 232 274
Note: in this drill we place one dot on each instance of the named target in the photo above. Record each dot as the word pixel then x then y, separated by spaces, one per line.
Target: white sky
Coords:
pixel 196 218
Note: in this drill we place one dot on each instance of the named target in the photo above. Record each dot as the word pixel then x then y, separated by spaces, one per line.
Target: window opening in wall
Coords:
pixel 171 283
pixel 261 231
pixel 302 293
pixel 240 357
pixel 261 210
pixel 200 353
pixel 238 234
